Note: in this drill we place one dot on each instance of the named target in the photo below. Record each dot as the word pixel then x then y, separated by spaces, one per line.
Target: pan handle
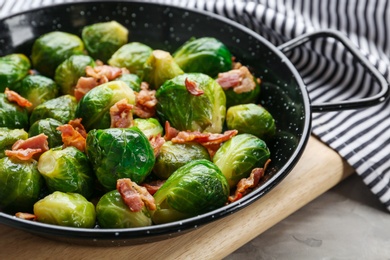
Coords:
pixel 347 104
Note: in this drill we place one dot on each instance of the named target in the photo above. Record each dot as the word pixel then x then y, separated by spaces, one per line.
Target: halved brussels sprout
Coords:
pixel 251 119
pixel 51 49
pixel 13 67
pixel 132 80
pixel 205 55
pixel 185 111
pixel 94 107
pixel 47 126
pixel 103 39
pixel 12 115
pixel 238 156
pixel 151 127
pixel 62 108
pixel 67 170
pixel 117 153
pixel 70 70
pixel 193 189
pixel 8 137
pixel 159 67
pixel 65 209
pixel 174 155
pixel 131 56
pixel 112 212
pixel 20 184
pixel 36 89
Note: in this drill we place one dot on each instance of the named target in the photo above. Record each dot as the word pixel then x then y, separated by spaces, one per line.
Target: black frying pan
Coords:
pixel 167 27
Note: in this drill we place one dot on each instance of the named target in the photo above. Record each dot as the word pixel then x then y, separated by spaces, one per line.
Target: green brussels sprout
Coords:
pixel 13 67
pixel 159 67
pixel 20 184
pixel 12 115
pixel 151 127
pixel 62 108
pixel 117 153
pixel 238 156
pixel 65 209
pixel 233 98
pixel 174 155
pixel 70 70
pixel 8 137
pixel 185 111
pixel 94 107
pixel 205 55
pixel 195 188
pixel 132 80
pixel 51 49
pixel 36 89
pixel 251 119
pixel 103 39
pixel 131 56
pixel 112 212
pixel 47 126
pixel 67 170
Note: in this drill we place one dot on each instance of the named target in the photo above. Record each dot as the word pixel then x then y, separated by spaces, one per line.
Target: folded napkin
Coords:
pixel 361 136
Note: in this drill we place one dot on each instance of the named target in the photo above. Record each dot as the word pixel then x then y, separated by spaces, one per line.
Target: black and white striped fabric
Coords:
pixel 360 136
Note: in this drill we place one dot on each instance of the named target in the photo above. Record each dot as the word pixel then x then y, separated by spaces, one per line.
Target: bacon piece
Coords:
pixel 12 96
pixel 76 124
pixel 121 114
pixel 135 196
pixel 193 88
pixel 157 142
pixel 71 137
pixel 24 154
pixel 26 216
pixel 240 80
pixel 84 84
pixel 30 148
pixel 170 132
pixel 146 102
pixel 153 186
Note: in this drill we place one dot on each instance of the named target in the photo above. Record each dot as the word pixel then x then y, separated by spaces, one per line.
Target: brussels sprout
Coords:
pixel 193 189
pixel 102 40
pixel 160 67
pixel 13 67
pixel 233 98
pixel 94 107
pixel 51 49
pixel 70 70
pixel 131 56
pixel 112 212
pixel 238 156
pixel 185 111
pixel 132 80
pixel 205 55
pixel 47 126
pixel 65 209
pixel 36 89
pixel 67 170
pixel 62 108
pixel 173 155
pixel 8 137
pixel 119 153
pixel 12 115
pixel 149 126
pixel 20 184
pixel 251 119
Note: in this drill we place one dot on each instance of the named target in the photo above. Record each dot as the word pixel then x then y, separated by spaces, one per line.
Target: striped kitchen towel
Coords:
pixel 361 136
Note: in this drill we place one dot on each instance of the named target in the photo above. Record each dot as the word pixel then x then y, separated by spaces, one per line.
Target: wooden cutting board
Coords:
pixel 319 169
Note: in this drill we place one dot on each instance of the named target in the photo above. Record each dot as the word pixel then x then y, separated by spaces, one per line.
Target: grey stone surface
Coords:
pixel 347 222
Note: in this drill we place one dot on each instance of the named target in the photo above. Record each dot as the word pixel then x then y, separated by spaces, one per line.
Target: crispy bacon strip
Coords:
pixel 24 154
pixel 203 138
pixel 121 114
pixel 245 185
pixel 84 84
pixel 146 102
pixel 71 137
pixel 157 142
pixel 135 196
pixel 170 132
pixel 240 80
pixel 30 148
pixel 153 186
pixel 12 96
pixel 26 216
pixel 76 124
pixel 193 88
